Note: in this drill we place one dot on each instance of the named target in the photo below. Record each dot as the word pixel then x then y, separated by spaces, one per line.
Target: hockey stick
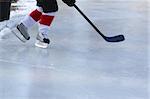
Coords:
pixel 117 38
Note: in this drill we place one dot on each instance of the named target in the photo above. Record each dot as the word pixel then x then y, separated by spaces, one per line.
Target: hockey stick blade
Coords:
pixel 117 38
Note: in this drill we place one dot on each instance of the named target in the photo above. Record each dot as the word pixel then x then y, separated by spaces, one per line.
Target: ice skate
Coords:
pixel 21 32
pixel 42 40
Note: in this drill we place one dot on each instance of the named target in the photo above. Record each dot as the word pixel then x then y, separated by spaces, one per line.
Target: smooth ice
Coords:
pixel 79 64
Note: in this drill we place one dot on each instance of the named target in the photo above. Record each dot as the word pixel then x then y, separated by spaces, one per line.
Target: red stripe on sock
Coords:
pixel 46 20
pixel 36 15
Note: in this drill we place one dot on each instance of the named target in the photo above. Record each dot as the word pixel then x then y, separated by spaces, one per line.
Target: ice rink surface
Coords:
pixel 79 64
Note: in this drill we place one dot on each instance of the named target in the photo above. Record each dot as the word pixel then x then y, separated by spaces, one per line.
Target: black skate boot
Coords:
pixel 21 32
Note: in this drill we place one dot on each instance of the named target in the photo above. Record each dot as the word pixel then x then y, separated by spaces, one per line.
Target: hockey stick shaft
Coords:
pixel 89 21
pixel 117 38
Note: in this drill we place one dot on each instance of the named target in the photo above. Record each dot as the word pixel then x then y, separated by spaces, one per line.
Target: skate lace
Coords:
pixel 44 35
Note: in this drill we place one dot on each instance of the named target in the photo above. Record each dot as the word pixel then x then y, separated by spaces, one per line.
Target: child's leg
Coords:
pixel 33 17
pixel 49 9
pixel 21 30
pixel 45 22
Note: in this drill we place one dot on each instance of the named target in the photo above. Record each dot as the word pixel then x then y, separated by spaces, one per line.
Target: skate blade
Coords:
pixel 18 35
pixel 41 44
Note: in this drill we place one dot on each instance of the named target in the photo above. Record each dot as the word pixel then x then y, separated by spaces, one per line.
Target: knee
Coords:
pixel 48 6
